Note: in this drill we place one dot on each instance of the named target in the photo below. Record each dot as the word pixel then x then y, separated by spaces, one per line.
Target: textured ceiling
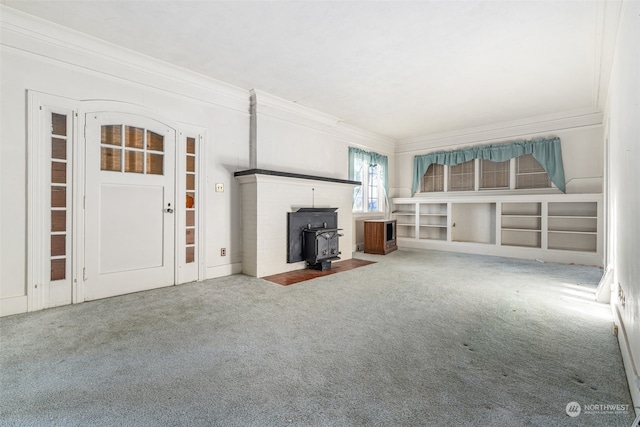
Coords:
pixel 401 69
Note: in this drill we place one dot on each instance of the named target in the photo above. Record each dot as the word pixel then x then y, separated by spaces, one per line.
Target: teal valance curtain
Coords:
pixel 372 159
pixel 545 150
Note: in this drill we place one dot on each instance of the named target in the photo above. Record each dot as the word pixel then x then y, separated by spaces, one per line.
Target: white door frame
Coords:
pixel 38 183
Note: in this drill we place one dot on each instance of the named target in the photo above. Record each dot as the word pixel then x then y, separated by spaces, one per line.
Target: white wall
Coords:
pixel 69 65
pixel 295 139
pixel 38 56
pixel 622 115
pixel 580 134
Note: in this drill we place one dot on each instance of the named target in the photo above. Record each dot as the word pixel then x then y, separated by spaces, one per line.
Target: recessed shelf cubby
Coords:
pixel 553 227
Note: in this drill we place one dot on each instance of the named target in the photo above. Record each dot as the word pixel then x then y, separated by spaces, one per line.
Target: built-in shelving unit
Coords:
pixel 432 221
pixel 405 220
pixel 550 227
pixel 521 224
pixel 573 226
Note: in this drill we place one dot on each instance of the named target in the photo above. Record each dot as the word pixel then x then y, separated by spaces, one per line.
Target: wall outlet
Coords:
pixel 223 252
pixel 219 188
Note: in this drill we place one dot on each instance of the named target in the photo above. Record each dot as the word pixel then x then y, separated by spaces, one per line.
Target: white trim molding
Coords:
pixel 59 44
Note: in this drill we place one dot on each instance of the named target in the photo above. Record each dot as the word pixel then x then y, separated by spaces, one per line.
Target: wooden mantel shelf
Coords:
pixel 293 175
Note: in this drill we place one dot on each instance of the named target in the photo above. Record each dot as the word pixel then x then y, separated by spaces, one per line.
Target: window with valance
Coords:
pixel 546 151
pixel 371 169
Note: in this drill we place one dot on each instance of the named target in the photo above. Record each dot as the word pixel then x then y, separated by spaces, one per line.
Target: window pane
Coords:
pixel 58 220
pixel 530 174
pixel 59 124
pixel 155 141
pixel 58 172
pixel 58 197
pixel 357 199
pixel 190 236
pixel 111 134
pixel 462 176
pixel 372 189
pixel 133 161
pixel 58 267
pixel 133 137
pixel 58 245
pixel 494 174
pixel 155 164
pixel 528 164
pixel 59 148
pixel 191 200
pixel 110 159
pixel 191 218
pixel 191 255
pixel 191 145
pixel 191 182
pixel 433 179
pixel 191 164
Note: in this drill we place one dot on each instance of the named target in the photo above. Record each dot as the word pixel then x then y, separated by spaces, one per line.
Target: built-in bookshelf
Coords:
pixel 550 227
pixel 573 226
pixel 521 224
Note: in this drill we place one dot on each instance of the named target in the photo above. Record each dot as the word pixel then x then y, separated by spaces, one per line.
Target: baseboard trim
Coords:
pixel 630 367
pixel 14 305
pixel 223 270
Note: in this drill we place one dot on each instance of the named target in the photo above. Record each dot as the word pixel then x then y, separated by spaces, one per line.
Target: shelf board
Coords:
pixel 573 249
pixel 522 229
pixel 433 214
pixel 520 216
pixel 403 213
pixel 572 217
pixel 574 232
pixel 407 225
pixel 433 226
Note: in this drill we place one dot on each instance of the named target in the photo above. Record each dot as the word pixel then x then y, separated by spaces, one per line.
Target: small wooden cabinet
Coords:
pixel 380 236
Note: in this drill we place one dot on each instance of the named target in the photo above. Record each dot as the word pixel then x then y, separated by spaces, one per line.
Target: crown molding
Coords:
pixel 365 139
pixel 273 106
pixel 513 129
pixel 59 44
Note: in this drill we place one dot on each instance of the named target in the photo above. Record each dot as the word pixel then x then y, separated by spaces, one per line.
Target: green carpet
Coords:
pixel 419 338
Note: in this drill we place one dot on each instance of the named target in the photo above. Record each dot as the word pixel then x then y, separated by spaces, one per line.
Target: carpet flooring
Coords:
pixel 418 338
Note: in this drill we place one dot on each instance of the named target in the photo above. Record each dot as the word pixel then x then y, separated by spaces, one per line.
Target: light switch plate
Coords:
pixel 219 188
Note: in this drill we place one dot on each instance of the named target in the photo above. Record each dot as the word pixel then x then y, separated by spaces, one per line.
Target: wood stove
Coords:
pixel 313 235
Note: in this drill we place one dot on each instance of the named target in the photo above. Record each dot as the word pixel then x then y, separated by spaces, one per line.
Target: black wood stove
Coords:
pixel 313 235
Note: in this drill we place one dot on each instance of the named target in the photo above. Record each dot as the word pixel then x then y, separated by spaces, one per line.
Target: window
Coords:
pixel 491 175
pixel 530 174
pixel 60 148
pixel 143 151
pixel 370 169
pixel 462 176
pixel 494 175
pixel 190 187
pixel 433 179
pixel 529 162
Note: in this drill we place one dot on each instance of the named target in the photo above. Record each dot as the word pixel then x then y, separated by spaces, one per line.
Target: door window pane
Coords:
pixel 133 161
pixel 111 135
pixel 133 137
pixel 110 159
pixel 155 164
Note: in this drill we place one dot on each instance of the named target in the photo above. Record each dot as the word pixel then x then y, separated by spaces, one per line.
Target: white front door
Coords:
pixel 129 206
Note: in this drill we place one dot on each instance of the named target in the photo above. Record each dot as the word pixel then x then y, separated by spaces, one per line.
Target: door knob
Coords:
pixel 169 209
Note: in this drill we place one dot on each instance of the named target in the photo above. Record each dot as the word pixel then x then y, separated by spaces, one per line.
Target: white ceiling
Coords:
pixel 398 68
